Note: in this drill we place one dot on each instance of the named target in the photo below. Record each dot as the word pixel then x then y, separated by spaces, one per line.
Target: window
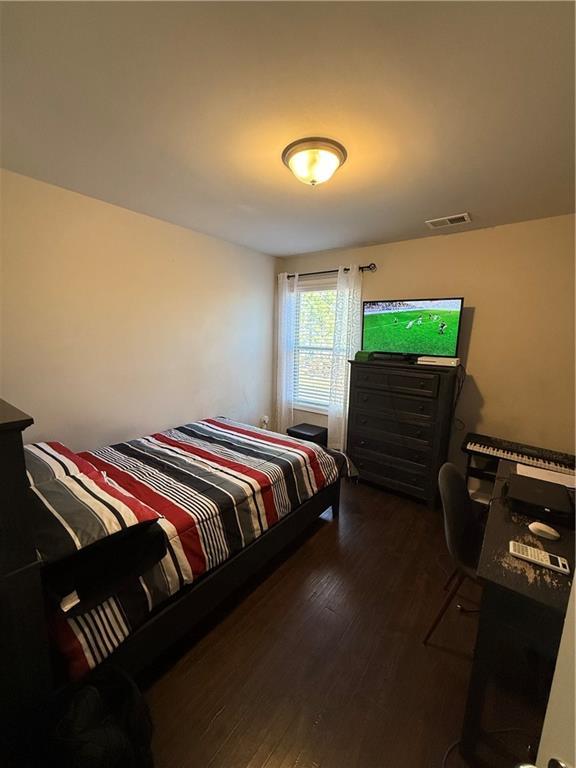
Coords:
pixel 314 343
pixel 318 332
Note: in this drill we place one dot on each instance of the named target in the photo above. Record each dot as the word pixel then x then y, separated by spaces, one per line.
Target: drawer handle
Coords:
pixel 363 421
pixel 419 433
pixel 362 442
pixel 364 398
pixel 422 384
pixel 421 408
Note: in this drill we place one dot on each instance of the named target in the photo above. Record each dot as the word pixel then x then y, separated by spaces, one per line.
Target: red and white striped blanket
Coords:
pixel 218 485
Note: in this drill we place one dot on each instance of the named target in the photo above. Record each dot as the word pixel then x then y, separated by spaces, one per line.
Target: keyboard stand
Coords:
pixel 485 473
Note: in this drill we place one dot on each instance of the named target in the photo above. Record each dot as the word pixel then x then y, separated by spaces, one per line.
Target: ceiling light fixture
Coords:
pixel 314 160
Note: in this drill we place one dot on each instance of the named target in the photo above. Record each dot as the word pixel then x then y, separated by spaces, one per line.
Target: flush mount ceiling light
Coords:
pixel 314 160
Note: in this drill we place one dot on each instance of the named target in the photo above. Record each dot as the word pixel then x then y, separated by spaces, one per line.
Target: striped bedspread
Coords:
pixel 218 486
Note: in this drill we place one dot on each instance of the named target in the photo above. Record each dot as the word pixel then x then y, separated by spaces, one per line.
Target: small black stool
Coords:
pixel 309 432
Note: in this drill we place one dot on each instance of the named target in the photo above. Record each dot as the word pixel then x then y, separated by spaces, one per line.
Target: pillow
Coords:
pixel 53 461
pixel 72 512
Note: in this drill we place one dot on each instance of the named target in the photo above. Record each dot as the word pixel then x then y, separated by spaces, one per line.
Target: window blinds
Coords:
pixel 315 322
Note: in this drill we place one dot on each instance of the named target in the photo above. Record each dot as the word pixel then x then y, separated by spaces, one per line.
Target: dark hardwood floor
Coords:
pixel 320 663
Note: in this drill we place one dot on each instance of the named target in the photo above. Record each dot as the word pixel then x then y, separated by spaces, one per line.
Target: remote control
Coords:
pixel 538 556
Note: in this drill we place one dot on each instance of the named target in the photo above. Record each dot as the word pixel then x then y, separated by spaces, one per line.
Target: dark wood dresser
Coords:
pixel 399 424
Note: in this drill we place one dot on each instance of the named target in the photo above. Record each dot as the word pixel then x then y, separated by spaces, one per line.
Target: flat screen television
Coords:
pixel 419 327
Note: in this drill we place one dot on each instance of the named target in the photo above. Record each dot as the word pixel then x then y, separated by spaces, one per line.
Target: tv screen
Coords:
pixel 423 327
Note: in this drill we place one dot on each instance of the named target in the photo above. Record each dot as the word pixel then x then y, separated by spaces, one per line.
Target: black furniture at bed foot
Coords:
pixel 311 432
pixel 25 664
pixel 94 573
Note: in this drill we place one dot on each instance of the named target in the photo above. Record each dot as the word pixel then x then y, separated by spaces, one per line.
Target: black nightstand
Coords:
pixel 309 432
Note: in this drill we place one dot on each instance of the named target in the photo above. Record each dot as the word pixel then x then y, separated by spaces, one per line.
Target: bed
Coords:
pixel 196 510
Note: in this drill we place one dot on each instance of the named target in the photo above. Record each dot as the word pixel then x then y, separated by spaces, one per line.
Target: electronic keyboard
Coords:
pixel 523 454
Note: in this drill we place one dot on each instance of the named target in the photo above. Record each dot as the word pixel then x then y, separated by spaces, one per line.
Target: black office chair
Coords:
pixel 464 523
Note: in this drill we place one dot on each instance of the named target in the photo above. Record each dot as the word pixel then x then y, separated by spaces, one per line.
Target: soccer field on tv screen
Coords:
pixel 412 332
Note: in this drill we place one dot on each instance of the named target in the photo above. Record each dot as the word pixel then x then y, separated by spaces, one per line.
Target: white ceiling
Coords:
pixel 181 111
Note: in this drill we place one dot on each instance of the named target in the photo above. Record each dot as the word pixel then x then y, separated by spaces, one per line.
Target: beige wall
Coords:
pixel 518 334
pixel 115 324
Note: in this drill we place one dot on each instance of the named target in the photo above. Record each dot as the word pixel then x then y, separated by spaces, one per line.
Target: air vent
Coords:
pixel 449 221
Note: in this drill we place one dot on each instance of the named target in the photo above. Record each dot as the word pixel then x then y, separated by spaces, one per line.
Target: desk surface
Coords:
pixel 497 566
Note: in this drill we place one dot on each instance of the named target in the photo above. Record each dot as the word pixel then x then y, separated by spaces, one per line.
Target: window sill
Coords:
pixel 310 408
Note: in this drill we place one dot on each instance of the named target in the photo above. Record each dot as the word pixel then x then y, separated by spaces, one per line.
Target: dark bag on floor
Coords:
pixel 105 723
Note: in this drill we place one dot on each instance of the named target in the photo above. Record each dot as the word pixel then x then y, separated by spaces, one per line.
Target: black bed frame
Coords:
pixel 27 672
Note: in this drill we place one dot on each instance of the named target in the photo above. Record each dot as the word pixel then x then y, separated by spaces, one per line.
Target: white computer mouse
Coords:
pixel 544 531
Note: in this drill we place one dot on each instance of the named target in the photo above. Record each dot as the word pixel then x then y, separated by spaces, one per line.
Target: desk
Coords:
pixel 519 599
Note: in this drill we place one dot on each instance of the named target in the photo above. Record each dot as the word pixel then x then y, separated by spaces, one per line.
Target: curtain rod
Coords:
pixel 366 268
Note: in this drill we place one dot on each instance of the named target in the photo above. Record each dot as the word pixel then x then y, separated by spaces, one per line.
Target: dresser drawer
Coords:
pixel 391 403
pixel 414 432
pixel 370 376
pixel 425 384
pixel 384 469
pixel 390 447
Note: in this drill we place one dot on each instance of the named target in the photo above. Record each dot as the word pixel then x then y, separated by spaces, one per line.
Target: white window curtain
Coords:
pixel 347 341
pixel 286 334
pixel 347 286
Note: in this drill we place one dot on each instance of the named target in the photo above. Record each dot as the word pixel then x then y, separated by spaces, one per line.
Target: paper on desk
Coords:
pixel 547 474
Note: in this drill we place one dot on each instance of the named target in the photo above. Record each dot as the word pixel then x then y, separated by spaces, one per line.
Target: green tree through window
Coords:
pixel 315 317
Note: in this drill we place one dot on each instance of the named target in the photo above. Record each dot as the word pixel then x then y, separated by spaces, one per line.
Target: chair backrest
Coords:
pixel 460 524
